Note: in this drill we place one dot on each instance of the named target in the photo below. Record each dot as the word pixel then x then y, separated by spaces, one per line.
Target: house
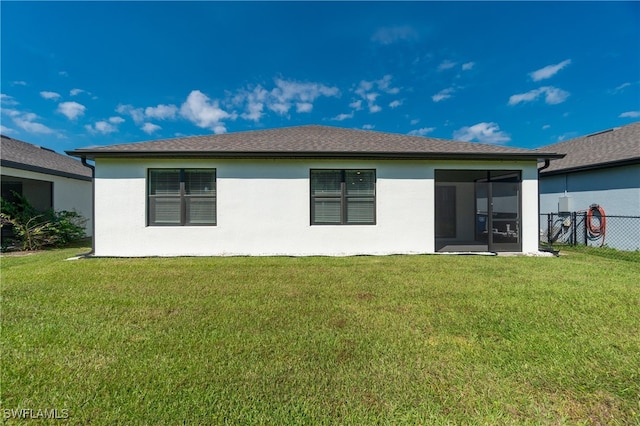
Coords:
pixel 48 180
pixel 603 170
pixel 313 190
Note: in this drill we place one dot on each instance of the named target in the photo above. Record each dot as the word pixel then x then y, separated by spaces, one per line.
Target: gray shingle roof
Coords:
pixel 310 141
pixel 616 146
pixel 25 156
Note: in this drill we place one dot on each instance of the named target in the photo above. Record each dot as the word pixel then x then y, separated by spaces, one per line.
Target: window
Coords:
pixel 343 197
pixel 179 197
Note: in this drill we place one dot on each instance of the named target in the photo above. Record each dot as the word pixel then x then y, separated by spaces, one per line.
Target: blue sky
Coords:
pixel 76 74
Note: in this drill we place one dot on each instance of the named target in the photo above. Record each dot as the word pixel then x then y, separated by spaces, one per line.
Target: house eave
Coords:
pixel 606 165
pixel 537 156
pixel 43 170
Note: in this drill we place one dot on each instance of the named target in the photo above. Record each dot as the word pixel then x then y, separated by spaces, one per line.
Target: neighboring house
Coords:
pixel 603 169
pixel 313 190
pixel 47 179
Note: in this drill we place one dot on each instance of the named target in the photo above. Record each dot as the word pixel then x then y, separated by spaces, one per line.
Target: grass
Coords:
pixel 357 340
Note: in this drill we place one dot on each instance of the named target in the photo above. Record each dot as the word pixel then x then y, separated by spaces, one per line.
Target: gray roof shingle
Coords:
pixel 310 141
pixel 617 146
pixel 25 156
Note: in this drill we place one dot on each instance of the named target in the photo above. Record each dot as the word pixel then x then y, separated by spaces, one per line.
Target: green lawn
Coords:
pixel 357 340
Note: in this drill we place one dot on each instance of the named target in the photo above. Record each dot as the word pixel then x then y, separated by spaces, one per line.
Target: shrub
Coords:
pixel 34 230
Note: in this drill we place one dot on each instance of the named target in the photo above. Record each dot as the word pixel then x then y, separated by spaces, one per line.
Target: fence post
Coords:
pixel 574 229
pixel 549 226
pixel 584 222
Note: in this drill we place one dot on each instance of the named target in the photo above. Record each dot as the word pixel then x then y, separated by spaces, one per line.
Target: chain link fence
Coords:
pixel 590 228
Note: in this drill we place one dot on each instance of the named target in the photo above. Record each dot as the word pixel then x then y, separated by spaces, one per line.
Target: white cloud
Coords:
pixel 468 66
pixel 103 127
pixel 443 94
pixel 76 92
pixel 63 73
pixel 150 128
pixel 482 132
pixel 371 97
pixel 204 112
pixel 5 130
pixel 71 110
pixel 288 92
pixel 546 126
pixel 356 105
pixel 255 101
pixel 630 114
pixel 136 113
pixel 446 64
pixel 50 95
pixel 10 112
pixel 279 107
pixel 219 129
pixel 369 91
pixel 368 127
pixel 552 96
pixel 524 97
pixel 621 88
pixel 384 84
pixel 342 117
pixel 389 35
pixel 27 122
pixel 422 131
pixel 19 83
pixel 548 71
pixel 161 112
pixel 7 100
pixel 304 107
pixel 415 121
pixel 395 104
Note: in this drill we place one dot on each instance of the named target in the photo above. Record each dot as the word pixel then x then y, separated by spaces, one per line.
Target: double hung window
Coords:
pixel 343 197
pixel 181 197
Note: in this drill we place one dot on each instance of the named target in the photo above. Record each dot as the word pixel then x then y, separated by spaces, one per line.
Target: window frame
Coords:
pixel 343 197
pixel 183 196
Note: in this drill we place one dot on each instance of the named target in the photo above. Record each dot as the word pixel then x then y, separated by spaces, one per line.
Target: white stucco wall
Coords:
pixel 264 209
pixel 68 194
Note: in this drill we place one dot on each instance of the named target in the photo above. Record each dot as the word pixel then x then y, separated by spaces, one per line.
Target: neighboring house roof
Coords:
pixel 614 147
pixel 311 142
pixel 25 156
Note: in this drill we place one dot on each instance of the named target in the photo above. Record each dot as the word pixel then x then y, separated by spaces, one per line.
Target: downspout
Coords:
pixel 93 204
pixel 547 163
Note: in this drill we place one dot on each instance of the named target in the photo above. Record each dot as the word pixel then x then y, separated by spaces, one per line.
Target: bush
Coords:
pixel 34 230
